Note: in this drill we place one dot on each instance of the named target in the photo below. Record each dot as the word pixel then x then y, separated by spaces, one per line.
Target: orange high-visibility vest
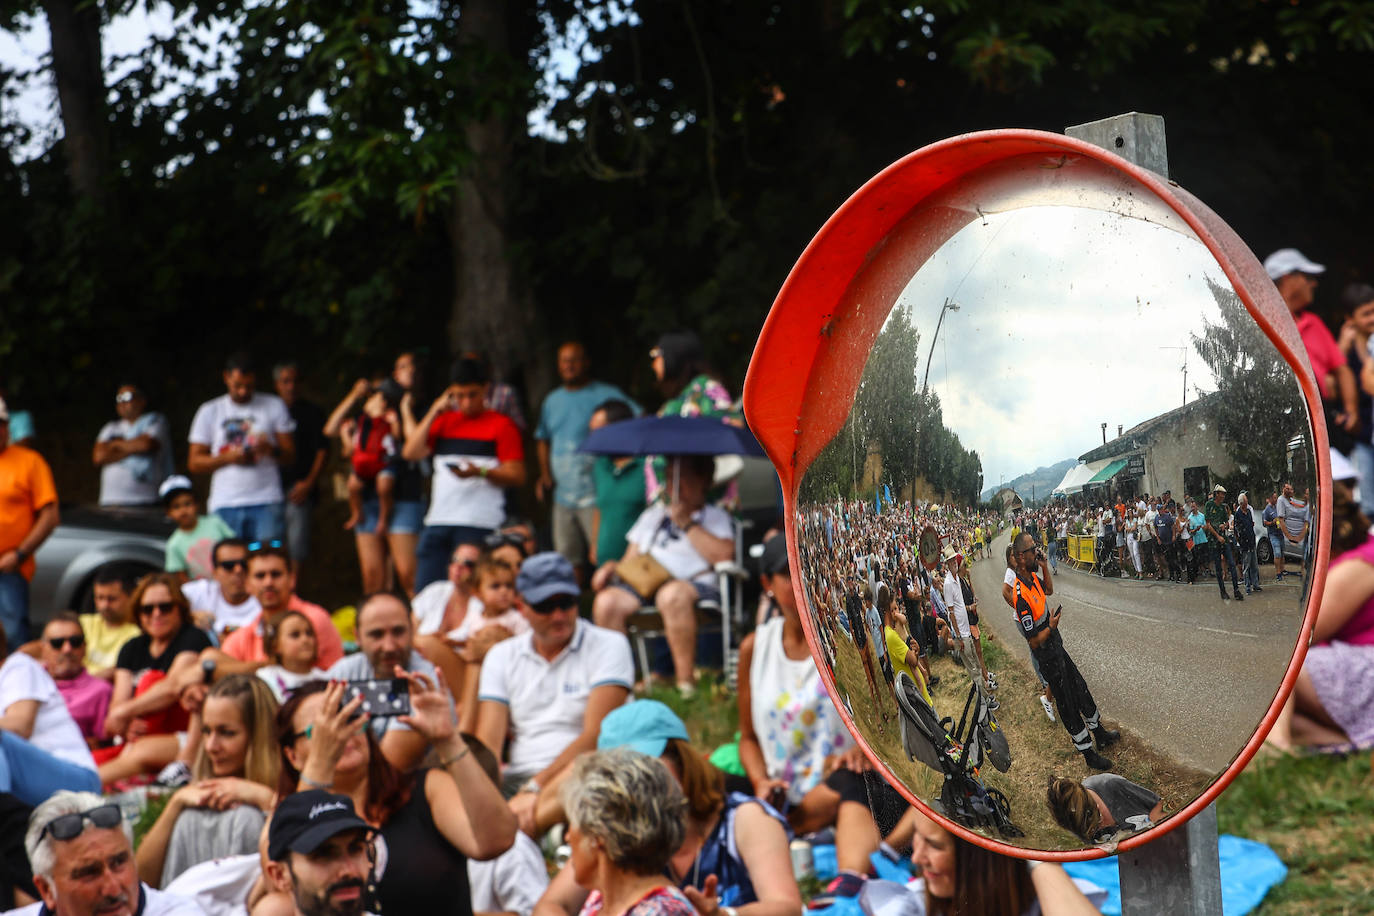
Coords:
pixel 1033 594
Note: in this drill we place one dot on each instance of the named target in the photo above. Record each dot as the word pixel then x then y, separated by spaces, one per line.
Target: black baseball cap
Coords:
pixel 774 558
pixel 303 821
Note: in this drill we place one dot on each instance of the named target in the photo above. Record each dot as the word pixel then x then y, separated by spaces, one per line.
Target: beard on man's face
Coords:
pixel 324 904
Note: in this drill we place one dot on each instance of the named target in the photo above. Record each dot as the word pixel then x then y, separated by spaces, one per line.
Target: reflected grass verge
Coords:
pixel 1039 748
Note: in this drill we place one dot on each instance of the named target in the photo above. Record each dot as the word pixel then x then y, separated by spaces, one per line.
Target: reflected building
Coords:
pixel 1182 451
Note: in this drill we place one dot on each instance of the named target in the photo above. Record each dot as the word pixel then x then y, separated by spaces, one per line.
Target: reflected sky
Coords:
pixel 1064 314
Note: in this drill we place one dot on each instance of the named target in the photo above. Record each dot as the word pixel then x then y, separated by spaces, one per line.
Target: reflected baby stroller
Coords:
pixel 958 753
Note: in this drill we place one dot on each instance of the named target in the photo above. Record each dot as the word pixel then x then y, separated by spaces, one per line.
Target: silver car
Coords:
pixel 87 538
pixel 1264 551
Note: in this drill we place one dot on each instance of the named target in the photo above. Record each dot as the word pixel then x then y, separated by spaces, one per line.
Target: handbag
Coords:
pixel 644 574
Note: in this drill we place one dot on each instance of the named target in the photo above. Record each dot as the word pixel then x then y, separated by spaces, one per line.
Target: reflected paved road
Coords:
pixel 1188 672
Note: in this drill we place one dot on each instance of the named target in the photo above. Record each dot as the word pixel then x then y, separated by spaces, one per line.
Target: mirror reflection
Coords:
pixel 1055 487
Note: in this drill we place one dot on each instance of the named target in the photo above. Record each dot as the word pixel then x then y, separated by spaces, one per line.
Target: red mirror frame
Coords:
pixel 797 337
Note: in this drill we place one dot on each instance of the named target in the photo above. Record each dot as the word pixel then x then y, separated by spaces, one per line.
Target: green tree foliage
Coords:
pixel 291 185
pixel 1262 409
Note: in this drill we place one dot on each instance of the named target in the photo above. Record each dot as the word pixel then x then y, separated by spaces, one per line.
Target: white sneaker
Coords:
pixel 1049 709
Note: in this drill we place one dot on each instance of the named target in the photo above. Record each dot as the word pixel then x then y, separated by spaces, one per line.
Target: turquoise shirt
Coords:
pixel 563 422
pixel 620 499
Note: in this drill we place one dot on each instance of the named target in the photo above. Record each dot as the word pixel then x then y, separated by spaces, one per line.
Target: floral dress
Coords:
pixel 661 901
pixel 702 397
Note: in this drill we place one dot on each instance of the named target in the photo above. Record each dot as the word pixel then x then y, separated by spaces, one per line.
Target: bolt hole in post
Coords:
pixel 1120 142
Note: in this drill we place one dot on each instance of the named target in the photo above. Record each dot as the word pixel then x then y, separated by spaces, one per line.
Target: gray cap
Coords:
pixel 544 575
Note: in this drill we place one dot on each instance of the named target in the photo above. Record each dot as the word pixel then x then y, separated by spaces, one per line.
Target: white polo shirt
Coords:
pixel 155 903
pixel 547 699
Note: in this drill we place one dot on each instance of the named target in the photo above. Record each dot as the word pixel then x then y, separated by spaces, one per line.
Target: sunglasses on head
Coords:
pixel 655 353
pixel 556 603
pixel 157 607
pixel 274 544
pixel 76 642
pixel 503 539
pixel 69 826
pixel 124 397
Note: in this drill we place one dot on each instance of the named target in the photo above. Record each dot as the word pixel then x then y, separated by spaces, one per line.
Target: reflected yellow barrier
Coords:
pixel 1082 550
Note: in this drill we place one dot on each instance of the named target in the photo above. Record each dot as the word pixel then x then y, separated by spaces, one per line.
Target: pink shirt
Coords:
pixel 245 643
pixel 87 699
pixel 1322 351
pixel 1358 630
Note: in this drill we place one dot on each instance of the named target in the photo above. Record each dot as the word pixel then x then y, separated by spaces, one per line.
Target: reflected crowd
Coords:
pixel 1182 539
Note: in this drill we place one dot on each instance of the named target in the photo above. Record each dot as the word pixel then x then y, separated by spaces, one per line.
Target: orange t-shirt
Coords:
pixel 25 487
pixel 245 643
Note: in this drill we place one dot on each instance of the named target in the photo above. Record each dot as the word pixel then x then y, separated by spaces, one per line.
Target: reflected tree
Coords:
pixel 1262 408
pixel 892 420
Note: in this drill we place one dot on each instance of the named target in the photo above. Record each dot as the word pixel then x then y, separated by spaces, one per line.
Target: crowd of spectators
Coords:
pixel 1179 540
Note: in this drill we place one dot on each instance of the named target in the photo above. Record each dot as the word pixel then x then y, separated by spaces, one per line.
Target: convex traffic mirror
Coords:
pixel 1023 307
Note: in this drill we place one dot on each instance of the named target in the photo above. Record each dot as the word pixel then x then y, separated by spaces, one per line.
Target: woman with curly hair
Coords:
pixel 626 815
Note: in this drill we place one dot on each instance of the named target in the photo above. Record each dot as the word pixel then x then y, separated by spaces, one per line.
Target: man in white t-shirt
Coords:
pixel 548 690
pixel 960 634
pixel 82 855
pixel 240 438
pixel 134 453
pixel 222 603
pixel 41 748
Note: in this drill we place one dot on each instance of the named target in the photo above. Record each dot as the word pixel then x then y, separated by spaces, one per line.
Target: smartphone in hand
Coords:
pixel 382 697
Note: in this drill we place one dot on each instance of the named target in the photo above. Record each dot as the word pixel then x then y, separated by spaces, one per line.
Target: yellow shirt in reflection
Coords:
pixel 897 651
pixel 103 641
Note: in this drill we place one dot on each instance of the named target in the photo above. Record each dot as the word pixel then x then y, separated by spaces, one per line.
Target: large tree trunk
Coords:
pixel 491 312
pixel 75 29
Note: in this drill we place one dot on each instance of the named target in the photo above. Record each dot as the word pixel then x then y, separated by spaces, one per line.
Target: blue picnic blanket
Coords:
pixel 1248 870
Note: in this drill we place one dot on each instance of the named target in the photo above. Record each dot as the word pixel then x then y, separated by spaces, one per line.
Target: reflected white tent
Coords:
pixel 1078 475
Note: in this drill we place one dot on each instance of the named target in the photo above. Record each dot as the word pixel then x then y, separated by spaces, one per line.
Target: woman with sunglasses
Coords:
pixel 234 777
pixel 41 748
pixel 430 821
pixel 149 720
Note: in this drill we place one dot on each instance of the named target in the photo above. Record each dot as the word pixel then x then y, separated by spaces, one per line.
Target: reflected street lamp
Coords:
pixel 949 306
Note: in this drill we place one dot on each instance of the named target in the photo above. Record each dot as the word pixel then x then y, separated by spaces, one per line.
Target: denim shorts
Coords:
pixel 407 517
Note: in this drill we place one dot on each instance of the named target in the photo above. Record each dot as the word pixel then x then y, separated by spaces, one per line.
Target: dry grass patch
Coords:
pixel 1039 748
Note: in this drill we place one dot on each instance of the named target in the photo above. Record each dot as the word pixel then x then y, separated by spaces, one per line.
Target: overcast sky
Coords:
pixel 1063 312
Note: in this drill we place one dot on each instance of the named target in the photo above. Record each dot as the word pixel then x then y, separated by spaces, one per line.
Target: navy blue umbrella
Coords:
pixel 671 436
